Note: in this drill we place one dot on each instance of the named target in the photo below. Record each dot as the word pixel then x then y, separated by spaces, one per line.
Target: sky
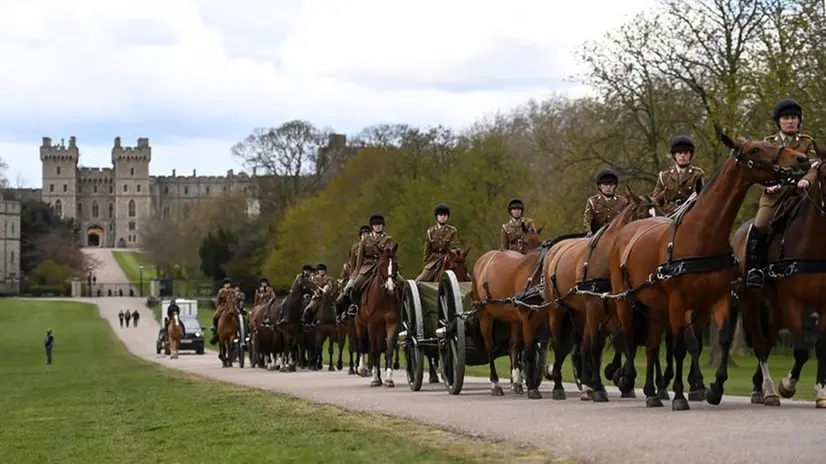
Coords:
pixel 195 76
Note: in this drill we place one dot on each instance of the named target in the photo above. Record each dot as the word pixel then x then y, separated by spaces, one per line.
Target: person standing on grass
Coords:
pixel 128 318
pixel 135 316
pixel 120 317
pixel 49 345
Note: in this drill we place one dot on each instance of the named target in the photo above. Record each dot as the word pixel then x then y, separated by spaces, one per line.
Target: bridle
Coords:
pixel 788 174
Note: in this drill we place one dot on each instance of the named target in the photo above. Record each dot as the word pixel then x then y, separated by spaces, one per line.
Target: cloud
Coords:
pixel 199 75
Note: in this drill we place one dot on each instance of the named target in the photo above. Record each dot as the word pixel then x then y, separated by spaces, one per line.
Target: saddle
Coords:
pixel 788 206
pixel 536 284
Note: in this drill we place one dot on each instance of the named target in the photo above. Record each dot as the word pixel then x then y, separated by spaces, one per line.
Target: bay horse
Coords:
pixel 287 316
pixel 673 267
pixel 346 336
pixel 575 274
pixel 456 261
pixel 175 333
pixel 377 321
pixel 227 333
pixel 497 276
pixel 324 308
pixel 797 278
pixel 268 339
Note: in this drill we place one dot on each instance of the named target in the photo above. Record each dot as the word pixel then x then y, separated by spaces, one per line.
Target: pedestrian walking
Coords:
pixel 128 316
pixel 135 316
pixel 49 345
pixel 120 317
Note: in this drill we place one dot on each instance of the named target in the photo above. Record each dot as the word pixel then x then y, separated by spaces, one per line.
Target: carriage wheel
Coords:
pixel 413 324
pixel 239 348
pixel 452 348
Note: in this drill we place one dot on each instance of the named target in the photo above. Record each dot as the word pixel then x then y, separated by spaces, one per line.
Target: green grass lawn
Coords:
pixel 97 403
pixel 130 263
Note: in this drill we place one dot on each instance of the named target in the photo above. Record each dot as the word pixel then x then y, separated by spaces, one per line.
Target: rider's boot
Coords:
pixel 307 318
pixel 353 309
pixel 755 255
pixel 214 330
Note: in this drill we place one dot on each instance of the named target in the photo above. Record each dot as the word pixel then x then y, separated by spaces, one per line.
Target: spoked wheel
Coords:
pixel 413 324
pixel 239 348
pixel 452 324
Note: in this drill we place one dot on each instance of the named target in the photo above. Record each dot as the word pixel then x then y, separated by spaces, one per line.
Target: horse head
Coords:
pixel 766 162
pixel 642 206
pixel 456 261
pixel 531 239
pixel 388 268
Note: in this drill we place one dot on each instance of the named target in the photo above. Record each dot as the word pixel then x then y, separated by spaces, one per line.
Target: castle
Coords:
pixel 111 204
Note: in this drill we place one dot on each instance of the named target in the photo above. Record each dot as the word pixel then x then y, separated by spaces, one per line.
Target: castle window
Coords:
pixel 58 170
pixel 58 208
pixel 80 210
pixel 125 187
pixel 165 212
pixel 131 225
pixel 166 190
pixel 186 190
pixel 111 189
pixel 207 190
pixel 12 257
pixel 65 187
pixel 111 210
pixel 131 171
pixel 95 189
pixel 51 187
pixel 139 188
pixel 131 208
pixel 95 210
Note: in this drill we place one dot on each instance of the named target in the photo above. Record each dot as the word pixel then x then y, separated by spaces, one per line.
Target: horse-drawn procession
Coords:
pixel 646 267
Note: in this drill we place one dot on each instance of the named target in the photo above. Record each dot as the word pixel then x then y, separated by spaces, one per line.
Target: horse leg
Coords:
pixel 516 346
pixel 392 333
pixel 628 372
pixel 340 342
pixel 433 373
pixel 668 375
pixel 363 349
pixel 676 315
pixel 696 385
pixel 727 309
pixel 333 337
pixel 820 352
pixel 560 334
pixel 793 319
pixel 529 353
pixel 652 354
pixel 593 343
pixel 375 353
pixel 486 329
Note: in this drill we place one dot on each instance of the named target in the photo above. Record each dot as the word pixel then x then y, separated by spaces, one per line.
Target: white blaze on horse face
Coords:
pixel 389 284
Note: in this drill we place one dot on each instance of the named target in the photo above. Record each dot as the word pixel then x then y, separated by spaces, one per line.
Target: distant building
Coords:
pixel 10 236
pixel 111 204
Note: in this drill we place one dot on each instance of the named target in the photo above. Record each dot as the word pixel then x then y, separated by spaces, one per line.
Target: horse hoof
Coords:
pixel 625 383
pixel 534 394
pixel 653 402
pixel 375 383
pixel 331 369
pixel 497 391
pixel 600 396
pixel 433 380
pixel 559 394
pixel 679 404
pixel 586 395
pixel 628 394
pixel 697 395
pixel 663 395
pixel 784 392
pixel 389 384
pixel 757 398
pixel 517 388
pixel 351 372
pixel 339 367
pixel 771 400
pixel 713 396
pixel 820 403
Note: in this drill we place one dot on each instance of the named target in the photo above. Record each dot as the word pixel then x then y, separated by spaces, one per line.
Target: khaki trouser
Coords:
pixel 766 210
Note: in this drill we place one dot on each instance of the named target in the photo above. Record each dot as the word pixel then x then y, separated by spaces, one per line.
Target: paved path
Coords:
pixel 110 277
pixel 621 431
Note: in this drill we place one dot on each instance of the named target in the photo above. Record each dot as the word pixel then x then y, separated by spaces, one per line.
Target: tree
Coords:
pixel 44 235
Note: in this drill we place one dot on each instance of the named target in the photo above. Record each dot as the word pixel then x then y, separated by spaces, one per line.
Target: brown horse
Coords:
pixel 377 321
pixel 175 334
pixel 227 333
pixel 797 271
pixel 287 317
pixel 325 328
pixel 497 276
pixel 576 272
pixel 346 336
pixel 456 261
pixel 673 267
pixel 267 339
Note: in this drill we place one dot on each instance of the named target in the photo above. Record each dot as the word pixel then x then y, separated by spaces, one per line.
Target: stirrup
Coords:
pixel 755 278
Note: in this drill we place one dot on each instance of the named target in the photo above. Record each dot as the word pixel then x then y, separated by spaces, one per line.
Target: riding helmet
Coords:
pixel 787 107
pixel 516 203
pixel 607 176
pixel 308 267
pixel 227 280
pixel 321 267
pixel 263 279
pixel 376 218
pixel 682 143
pixel 441 208
pixel 364 230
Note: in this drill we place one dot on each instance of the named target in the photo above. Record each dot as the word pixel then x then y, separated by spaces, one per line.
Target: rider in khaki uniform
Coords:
pixel 601 208
pixel 788 115
pixel 325 284
pixel 225 300
pixel 677 183
pixel 513 234
pixel 348 267
pixel 370 249
pixel 441 238
pixel 264 293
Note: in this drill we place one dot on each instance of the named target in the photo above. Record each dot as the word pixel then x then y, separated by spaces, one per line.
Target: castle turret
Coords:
pixel 59 163
pixel 132 196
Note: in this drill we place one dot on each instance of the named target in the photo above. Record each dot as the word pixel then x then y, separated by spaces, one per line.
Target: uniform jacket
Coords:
pixel 439 240
pixel 601 209
pixel 798 142
pixel 370 249
pixel 512 234
pixel 675 185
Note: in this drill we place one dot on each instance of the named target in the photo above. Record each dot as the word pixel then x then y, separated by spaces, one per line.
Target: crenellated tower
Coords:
pixel 60 175
pixel 132 196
